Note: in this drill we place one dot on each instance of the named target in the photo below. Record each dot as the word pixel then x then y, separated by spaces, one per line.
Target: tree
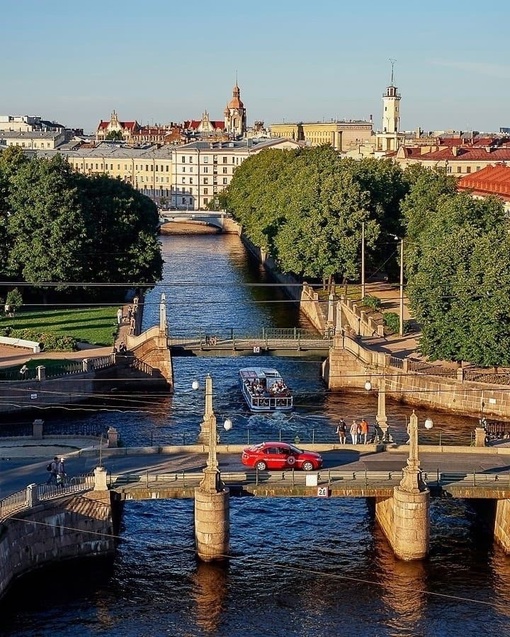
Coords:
pixel 114 135
pixel 459 289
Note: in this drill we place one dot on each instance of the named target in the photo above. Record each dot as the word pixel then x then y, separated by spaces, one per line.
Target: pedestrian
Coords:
pixel 52 468
pixel 61 472
pixel 341 430
pixel 354 432
pixel 119 316
pixel 363 431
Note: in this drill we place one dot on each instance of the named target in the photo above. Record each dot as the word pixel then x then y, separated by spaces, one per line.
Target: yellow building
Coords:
pixel 342 135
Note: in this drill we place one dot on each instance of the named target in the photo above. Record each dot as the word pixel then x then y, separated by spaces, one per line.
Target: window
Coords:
pixel 166 168
pixel 191 160
pixel 206 180
pixel 183 159
pixel 206 201
pixel 184 169
pixel 225 170
pixel 225 160
pixel 206 192
pixel 459 169
pixel 183 200
pixel 146 167
pixel 205 159
pixel 206 169
pixel 184 180
pixel 468 169
pixel 225 180
pixel 191 180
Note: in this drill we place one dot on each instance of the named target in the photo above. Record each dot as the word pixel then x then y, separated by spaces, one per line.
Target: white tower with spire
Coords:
pixel 391 107
pixel 389 138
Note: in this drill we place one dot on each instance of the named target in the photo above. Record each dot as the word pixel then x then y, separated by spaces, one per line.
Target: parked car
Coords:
pixel 280 455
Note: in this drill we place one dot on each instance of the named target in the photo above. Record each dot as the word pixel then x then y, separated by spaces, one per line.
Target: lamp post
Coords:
pixel 381 418
pixel 401 287
pixel 362 260
pixel 412 481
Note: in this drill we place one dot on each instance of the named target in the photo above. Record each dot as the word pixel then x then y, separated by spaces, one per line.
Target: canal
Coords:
pixel 310 568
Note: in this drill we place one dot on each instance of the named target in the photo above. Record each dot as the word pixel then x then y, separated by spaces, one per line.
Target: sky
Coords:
pixel 162 61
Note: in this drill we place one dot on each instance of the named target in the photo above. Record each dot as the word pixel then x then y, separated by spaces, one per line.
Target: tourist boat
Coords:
pixel 265 390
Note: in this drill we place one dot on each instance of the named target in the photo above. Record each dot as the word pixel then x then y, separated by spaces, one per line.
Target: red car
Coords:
pixel 280 455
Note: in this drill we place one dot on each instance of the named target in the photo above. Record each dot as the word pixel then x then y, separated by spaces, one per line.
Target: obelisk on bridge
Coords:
pixel 212 523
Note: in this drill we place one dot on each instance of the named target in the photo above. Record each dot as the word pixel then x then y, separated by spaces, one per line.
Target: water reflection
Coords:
pixel 404 588
pixel 210 588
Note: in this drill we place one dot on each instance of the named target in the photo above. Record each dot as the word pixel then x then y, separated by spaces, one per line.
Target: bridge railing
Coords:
pixel 291 477
pixel 26 498
pixel 217 335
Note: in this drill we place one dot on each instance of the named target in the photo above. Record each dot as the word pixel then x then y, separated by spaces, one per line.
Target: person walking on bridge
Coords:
pixel 354 432
pixel 341 430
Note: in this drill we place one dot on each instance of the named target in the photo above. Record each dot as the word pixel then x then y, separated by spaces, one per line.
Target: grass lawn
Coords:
pixel 94 325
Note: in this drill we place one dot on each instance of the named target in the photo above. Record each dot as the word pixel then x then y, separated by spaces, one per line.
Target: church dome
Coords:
pixel 235 102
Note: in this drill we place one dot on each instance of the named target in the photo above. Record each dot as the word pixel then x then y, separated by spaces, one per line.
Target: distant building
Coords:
pixel 342 135
pixel 125 130
pixel 34 139
pixel 235 115
pixel 390 137
pixel 456 160
pixel 491 180
pixel 188 176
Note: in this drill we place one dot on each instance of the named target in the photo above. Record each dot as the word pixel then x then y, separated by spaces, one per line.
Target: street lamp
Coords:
pixel 362 260
pixel 401 286
pixel 412 481
pixel 381 418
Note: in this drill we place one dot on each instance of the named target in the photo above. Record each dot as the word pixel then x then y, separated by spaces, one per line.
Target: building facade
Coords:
pixel 342 135
pixel 185 177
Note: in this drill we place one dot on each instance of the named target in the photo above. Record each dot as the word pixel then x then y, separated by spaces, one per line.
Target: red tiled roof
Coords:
pixel 469 154
pixel 491 180
pixel 129 125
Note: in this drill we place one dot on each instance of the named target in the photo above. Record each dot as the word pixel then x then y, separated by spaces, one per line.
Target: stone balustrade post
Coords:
pixel 113 437
pixel 100 479
pixel 32 497
pixel 41 372
pixel 460 374
pixel 37 429
pixel 86 365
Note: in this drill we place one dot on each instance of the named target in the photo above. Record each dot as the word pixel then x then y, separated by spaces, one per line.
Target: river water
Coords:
pixel 303 567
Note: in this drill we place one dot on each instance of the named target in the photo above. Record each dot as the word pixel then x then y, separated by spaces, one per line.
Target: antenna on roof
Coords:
pixel 392 62
pixel 236 77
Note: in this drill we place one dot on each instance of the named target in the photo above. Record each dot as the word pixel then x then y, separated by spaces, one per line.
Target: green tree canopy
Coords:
pixel 459 288
pixel 307 207
pixel 63 227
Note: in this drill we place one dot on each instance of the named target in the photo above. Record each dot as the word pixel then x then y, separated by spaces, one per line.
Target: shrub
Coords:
pixel 373 302
pixel 391 321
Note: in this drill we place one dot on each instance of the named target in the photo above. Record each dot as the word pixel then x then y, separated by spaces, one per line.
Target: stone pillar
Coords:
pixel 411 526
pixel 37 429
pixel 480 436
pixel 41 372
pixel 113 438
pixel 411 503
pixel 502 524
pixel 212 525
pixel 86 365
pixel 100 479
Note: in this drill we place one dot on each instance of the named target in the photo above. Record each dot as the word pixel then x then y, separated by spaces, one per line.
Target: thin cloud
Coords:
pixel 481 68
